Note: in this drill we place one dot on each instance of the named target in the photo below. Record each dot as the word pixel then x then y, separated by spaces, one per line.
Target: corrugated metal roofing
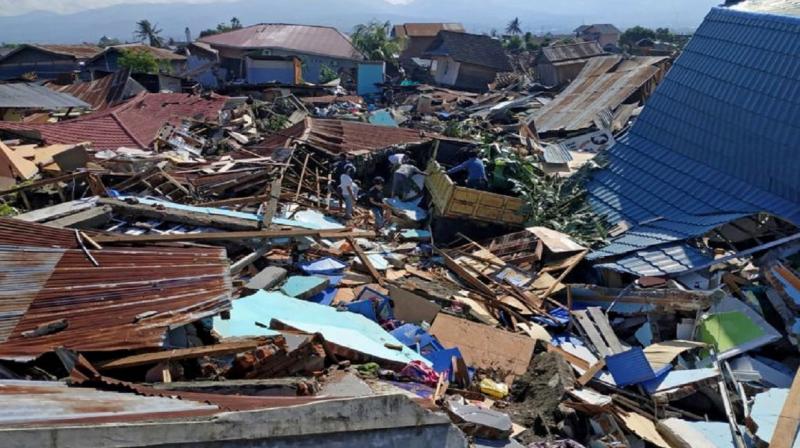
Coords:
pixel 45 277
pixel 107 91
pixel 466 48
pixel 716 142
pixel 133 124
pixel 556 154
pixel 308 39
pixel 159 53
pixel 604 84
pixel 32 402
pixel 581 50
pixel 23 95
pixel 670 259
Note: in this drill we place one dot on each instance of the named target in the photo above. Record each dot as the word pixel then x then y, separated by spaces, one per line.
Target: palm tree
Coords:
pixel 514 27
pixel 374 41
pixel 147 31
pixel 235 23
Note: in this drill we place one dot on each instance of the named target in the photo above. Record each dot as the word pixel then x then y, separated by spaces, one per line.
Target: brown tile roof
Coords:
pixel 425 29
pixel 341 136
pixel 133 124
pixel 319 40
pixel 46 277
pixel 101 93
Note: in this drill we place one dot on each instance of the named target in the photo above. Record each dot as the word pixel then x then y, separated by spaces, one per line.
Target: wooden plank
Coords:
pixel 302 176
pixel 601 322
pixel 588 327
pixel 591 372
pixel 182 353
pixel 368 264
pixel 564 274
pixel 789 418
pixel 230 236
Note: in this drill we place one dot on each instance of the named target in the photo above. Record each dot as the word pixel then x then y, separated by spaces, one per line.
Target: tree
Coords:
pixel 138 61
pixel 373 40
pixel 222 28
pixel 635 34
pixel 147 31
pixel 327 74
pixel 106 41
pixel 514 44
pixel 513 27
pixel 664 35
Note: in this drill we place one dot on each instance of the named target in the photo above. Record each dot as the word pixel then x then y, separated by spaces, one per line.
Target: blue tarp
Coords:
pixel 342 328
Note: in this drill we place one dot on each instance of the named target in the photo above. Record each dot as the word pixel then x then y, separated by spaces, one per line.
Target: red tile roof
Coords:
pixel 319 40
pixel 133 124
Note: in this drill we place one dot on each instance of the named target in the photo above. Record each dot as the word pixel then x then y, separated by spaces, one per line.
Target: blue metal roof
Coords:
pixel 658 261
pixel 717 141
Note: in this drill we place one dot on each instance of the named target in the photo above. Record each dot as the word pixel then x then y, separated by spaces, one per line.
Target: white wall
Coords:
pixel 446 70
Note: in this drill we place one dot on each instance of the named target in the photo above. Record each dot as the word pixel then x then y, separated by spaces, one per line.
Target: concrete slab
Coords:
pixel 268 278
pixel 303 287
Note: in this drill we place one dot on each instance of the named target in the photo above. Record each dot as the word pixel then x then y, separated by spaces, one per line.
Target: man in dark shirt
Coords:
pixel 375 202
pixel 476 172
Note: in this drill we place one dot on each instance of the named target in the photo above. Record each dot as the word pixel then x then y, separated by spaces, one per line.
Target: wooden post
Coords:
pixel 364 259
pixel 302 176
pixel 789 418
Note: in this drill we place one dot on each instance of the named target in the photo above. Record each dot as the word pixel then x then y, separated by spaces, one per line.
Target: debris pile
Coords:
pixel 460 257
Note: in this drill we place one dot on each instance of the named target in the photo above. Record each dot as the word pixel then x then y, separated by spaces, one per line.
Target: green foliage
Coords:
pixel 7 211
pixel 222 28
pixel 106 41
pixel 514 44
pixel 275 123
pixel 513 27
pixel 327 74
pixel 138 61
pixel 146 31
pixel 555 202
pixel 374 41
pixel 635 34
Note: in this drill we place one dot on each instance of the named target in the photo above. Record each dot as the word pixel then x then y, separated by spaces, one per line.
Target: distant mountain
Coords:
pixel 478 15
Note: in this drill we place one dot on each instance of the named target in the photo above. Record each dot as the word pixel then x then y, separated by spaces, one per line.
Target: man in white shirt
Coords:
pixel 349 192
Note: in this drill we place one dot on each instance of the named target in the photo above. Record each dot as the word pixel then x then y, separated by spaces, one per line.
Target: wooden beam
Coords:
pixel 591 372
pixel 175 215
pixel 230 236
pixel 564 275
pixel 236 201
pixel 302 176
pixel 364 259
pixel 789 418
pixel 182 353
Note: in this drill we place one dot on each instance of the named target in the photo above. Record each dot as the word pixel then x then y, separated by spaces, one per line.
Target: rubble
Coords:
pixel 572 264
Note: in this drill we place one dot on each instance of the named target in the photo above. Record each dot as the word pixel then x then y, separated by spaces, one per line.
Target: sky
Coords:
pixel 17 7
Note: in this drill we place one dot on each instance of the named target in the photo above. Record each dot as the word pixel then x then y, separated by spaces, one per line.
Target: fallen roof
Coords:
pixel 319 40
pixel 133 124
pixel 581 50
pixel 425 29
pixel 468 48
pixel 159 54
pixel 717 140
pixel 46 278
pixel 107 91
pixel 604 84
pixel 342 136
pixel 23 95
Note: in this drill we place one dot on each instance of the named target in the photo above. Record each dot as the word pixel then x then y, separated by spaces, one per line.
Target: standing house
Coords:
pixel 46 61
pixel 314 46
pixel 107 61
pixel 560 64
pixel 602 33
pixel 418 37
pixel 466 61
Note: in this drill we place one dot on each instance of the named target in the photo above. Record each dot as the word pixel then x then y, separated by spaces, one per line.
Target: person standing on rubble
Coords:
pixel 349 190
pixel 476 172
pixel 375 202
pixel 403 181
pixel 342 166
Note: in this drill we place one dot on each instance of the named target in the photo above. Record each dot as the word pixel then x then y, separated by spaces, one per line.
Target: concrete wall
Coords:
pixel 263 71
pixel 205 70
pixel 377 421
pixel 475 77
pixel 45 65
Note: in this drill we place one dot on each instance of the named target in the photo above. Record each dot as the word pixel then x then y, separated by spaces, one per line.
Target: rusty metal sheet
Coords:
pixel 604 84
pixel 102 305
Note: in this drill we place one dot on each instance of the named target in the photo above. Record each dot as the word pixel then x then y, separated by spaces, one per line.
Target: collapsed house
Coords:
pixel 466 61
pixel 178 269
